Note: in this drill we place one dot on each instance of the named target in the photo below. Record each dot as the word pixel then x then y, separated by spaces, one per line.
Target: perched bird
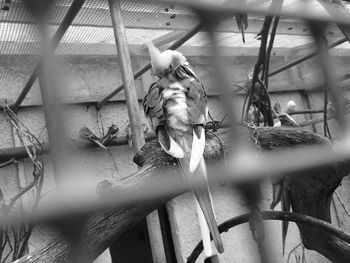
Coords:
pixel 87 134
pixel 284 118
pixel 176 106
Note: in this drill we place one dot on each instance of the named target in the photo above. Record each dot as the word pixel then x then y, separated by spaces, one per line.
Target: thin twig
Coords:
pixel 293 250
pixel 11 161
pixel 342 203
pixel 34 149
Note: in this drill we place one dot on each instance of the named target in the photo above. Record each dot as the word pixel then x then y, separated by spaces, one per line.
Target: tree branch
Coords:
pixel 311 194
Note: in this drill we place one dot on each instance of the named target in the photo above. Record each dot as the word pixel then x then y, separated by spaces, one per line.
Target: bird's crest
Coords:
pixel 159 61
pixel 164 62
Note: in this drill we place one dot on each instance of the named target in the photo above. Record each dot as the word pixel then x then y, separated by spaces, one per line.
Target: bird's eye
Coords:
pixel 170 66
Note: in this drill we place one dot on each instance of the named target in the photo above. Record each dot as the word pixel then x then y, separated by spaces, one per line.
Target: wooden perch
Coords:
pixel 311 194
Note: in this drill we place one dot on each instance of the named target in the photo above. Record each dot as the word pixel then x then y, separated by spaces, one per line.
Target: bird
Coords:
pixel 176 107
pixel 291 106
pixel 87 134
pixel 284 118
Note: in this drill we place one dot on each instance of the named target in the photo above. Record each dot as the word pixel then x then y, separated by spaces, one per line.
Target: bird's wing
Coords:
pixel 285 119
pixel 153 105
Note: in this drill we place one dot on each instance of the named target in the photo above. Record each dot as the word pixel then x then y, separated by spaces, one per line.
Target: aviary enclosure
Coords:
pixel 104 127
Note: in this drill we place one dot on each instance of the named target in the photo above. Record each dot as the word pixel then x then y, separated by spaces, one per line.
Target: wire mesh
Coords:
pixel 91 34
pixel 81 40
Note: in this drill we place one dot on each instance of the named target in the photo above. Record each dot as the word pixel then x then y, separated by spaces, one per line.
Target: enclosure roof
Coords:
pixel 91 34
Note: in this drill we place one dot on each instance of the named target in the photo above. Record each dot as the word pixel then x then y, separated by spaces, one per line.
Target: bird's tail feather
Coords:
pixel 203 197
pixel 205 232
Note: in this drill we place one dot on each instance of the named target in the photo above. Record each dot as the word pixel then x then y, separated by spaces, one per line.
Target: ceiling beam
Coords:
pixel 165 39
pixel 99 17
pixel 104 49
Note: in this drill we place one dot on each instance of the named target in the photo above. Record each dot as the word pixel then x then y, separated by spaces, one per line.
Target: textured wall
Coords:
pixel 94 76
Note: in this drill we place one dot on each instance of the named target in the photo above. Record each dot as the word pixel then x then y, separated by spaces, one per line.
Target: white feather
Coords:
pixel 205 232
pixel 197 151
pixel 178 110
pixel 175 150
pixel 277 124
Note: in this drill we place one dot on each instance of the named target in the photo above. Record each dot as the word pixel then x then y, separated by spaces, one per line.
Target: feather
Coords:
pixel 202 194
pixel 285 118
pixel 170 146
pixel 198 144
pixel 277 194
pixel 163 138
pixel 205 232
pixel 285 206
pixel 159 61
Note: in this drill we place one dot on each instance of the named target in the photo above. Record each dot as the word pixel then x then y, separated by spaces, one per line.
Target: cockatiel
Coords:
pixel 176 106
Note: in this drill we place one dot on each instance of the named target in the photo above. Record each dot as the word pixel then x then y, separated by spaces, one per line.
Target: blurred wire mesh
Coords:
pixel 91 34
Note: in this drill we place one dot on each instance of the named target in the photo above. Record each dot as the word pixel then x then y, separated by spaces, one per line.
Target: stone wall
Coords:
pixel 86 79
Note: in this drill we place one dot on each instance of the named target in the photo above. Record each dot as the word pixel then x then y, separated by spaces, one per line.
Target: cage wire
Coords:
pixel 91 34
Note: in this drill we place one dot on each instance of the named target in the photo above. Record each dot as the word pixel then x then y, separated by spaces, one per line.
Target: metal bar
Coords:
pixel 316 121
pixel 49 95
pixel 271 163
pixel 301 11
pixel 305 112
pixel 145 68
pixel 306 57
pixel 52 125
pixel 165 39
pixel 66 22
pixel 150 20
pixel 338 5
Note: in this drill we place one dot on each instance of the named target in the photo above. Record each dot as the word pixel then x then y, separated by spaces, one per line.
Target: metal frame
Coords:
pixel 203 10
pixel 77 5
pixel 66 22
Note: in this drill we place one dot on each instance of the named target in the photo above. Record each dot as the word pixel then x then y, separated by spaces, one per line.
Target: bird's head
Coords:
pixel 291 106
pixel 164 63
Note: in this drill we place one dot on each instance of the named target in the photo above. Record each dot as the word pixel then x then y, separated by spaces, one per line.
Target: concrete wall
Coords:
pixel 90 77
